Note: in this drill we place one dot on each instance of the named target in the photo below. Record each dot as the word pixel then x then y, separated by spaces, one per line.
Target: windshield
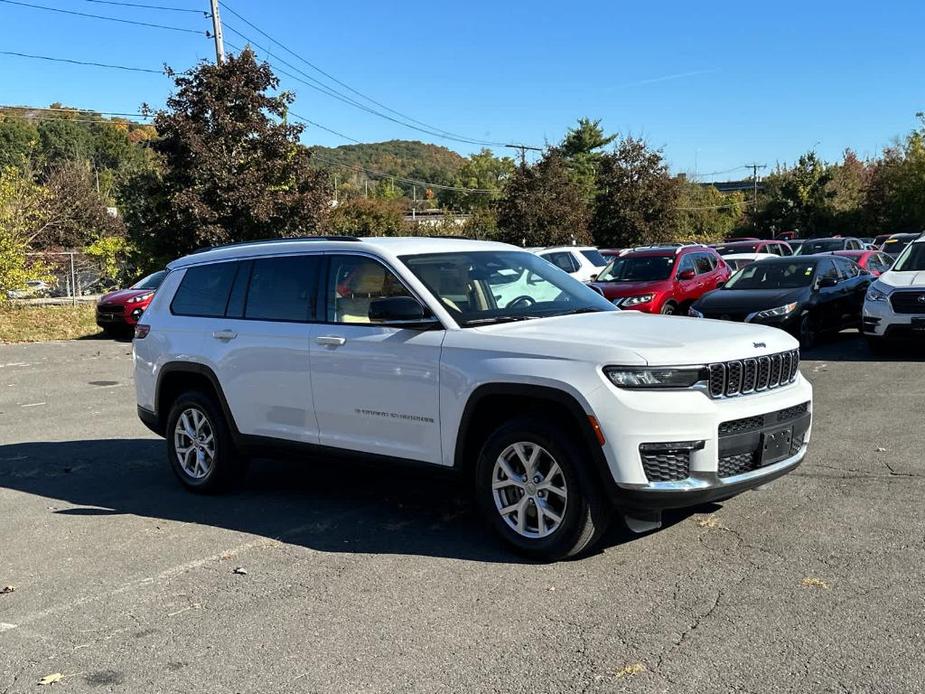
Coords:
pixel 152 281
pixel 811 246
pixel 498 286
pixel 595 257
pixel 773 275
pixel 738 248
pixel 638 268
pixel 913 258
pixel 896 246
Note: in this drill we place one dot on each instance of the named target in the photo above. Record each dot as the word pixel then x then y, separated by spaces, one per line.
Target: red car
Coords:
pixel 661 279
pixel 875 262
pixel 754 246
pixel 118 311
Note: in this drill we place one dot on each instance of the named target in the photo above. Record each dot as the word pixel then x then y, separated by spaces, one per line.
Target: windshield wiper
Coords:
pixel 498 319
pixel 575 311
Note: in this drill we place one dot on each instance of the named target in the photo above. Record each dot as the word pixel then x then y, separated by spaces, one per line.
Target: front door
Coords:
pixel 375 387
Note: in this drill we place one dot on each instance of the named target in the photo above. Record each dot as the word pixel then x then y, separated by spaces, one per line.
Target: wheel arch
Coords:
pixel 178 376
pixel 490 405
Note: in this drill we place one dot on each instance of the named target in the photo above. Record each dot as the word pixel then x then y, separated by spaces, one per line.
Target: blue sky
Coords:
pixel 715 85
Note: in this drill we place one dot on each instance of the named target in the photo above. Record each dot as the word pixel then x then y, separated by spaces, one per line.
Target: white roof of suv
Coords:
pixel 384 245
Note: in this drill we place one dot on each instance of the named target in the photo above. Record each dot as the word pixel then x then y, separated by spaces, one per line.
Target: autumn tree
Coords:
pixel 361 216
pixel 704 214
pixel 895 200
pixel 232 167
pixel 485 172
pixel 543 206
pixel 636 198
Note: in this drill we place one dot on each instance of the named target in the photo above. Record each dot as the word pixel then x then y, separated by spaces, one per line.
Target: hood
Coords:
pixel 748 300
pixel 912 278
pixel 633 338
pixel 613 290
pixel 120 296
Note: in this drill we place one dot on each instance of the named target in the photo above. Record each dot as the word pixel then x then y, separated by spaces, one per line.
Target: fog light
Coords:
pixel 671 446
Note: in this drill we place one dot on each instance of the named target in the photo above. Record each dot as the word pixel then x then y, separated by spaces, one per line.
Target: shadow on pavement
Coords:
pixel 851 346
pixel 332 506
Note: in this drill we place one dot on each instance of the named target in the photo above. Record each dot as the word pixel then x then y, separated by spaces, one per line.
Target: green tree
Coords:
pixel 582 147
pixel 543 206
pixel 22 220
pixel 369 217
pixel 636 197
pixel 704 214
pixel 485 172
pixel 797 198
pixel 895 200
pixel 18 140
pixel 232 168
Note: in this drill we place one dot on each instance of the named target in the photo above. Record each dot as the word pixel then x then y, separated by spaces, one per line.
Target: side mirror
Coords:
pixel 827 282
pixel 400 311
pixel 593 277
pixel 721 284
pixel 685 275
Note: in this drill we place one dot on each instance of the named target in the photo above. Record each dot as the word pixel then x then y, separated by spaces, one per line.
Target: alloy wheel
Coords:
pixel 529 490
pixel 194 443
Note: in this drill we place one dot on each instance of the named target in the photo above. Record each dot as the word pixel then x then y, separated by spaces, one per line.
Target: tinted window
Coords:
pixel 597 260
pixel 784 249
pixel 738 248
pixel 355 281
pixel 846 268
pixel 827 269
pixel 913 258
pixel 563 261
pixel 811 246
pixel 687 263
pixel 702 263
pixel 283 289
pixel 204 290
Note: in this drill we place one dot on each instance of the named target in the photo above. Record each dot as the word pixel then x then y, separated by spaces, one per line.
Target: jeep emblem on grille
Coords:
pixel 758 345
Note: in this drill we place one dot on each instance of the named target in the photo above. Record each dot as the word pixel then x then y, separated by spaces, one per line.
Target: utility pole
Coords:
pixel 754 167
pixel 217 33
pixel 523 152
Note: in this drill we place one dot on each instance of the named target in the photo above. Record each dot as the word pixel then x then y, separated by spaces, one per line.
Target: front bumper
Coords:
pixel 879 320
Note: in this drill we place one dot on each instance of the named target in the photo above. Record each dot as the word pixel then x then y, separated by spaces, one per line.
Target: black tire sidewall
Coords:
pixel 580 491
pixel 224 463
pixel 809 336
pixel 672 306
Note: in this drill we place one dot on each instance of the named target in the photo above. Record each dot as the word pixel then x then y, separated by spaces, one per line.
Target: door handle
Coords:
pixel 330 340
pixel 225 335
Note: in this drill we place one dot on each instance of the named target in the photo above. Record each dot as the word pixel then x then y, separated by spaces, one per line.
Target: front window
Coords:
pixel 638 268
pixel 485 287
pixel 812 246
pixel 773 275
pixel 353 283
pixel 896 246
pixel 152 281
pixel 912 259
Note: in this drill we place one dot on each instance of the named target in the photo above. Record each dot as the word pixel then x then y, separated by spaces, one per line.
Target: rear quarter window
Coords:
pixel 204 290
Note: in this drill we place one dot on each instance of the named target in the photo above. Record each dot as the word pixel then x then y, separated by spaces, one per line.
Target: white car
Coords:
pixel 895 303
pixel 558 406
pixel 581 262
pixel 739 260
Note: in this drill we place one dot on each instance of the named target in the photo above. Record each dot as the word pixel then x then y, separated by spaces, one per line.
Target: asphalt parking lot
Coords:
pixel 366 580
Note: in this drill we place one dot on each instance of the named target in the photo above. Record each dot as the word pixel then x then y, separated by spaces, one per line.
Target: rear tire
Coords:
pixel 200 448
pixel 535 491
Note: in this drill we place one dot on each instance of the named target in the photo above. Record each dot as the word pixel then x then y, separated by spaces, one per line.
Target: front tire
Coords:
pixel 807 335
pixel 669 309
pixel 877 345
pixel 533 489
pixel 200 448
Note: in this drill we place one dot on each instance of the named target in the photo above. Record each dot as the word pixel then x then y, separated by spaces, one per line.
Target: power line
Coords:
pixel 148 7
pixel 717 173
pixel 319 86
pixel 449 134
pixel 78 111
pixel 82 62
pixel 323 127
pixel 150 25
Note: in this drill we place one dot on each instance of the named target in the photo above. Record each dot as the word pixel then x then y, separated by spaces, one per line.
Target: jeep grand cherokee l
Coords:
pixel 465 355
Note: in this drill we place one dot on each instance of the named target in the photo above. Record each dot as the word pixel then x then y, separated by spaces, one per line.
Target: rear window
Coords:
pixel 283 289
pixel 595 257
pixel 204 290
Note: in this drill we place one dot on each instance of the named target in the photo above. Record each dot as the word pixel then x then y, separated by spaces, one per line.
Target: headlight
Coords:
pixel 876 292
pixel 140 298
pixel 636 300
pixel 654 377
pixel 694 313
pixel 774 312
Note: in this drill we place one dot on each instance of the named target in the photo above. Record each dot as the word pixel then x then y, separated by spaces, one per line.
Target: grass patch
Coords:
pixel 43 323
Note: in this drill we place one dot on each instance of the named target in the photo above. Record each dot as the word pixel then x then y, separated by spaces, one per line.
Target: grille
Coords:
pixel 739 377
pixel 736 464
pixel 908 302
pixel 666 466
pixel 737 426
pixel 110 308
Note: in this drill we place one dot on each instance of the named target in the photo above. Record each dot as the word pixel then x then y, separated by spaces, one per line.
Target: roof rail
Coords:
pixel 279 240
pixel 666 246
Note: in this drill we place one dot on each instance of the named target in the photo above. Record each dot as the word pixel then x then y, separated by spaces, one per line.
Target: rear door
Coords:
pixel 375 387
pixel 853 290
pixel 829 298
pixel 562 260
pixel 260 347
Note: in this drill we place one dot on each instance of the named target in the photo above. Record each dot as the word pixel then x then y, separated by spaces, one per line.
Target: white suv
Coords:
pixel 895 303
pixel 584 263
pixel 559 407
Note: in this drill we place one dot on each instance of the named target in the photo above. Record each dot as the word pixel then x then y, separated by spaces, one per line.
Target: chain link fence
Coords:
pixel 65 277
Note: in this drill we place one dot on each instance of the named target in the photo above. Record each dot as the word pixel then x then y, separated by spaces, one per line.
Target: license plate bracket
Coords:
pixel 775 445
